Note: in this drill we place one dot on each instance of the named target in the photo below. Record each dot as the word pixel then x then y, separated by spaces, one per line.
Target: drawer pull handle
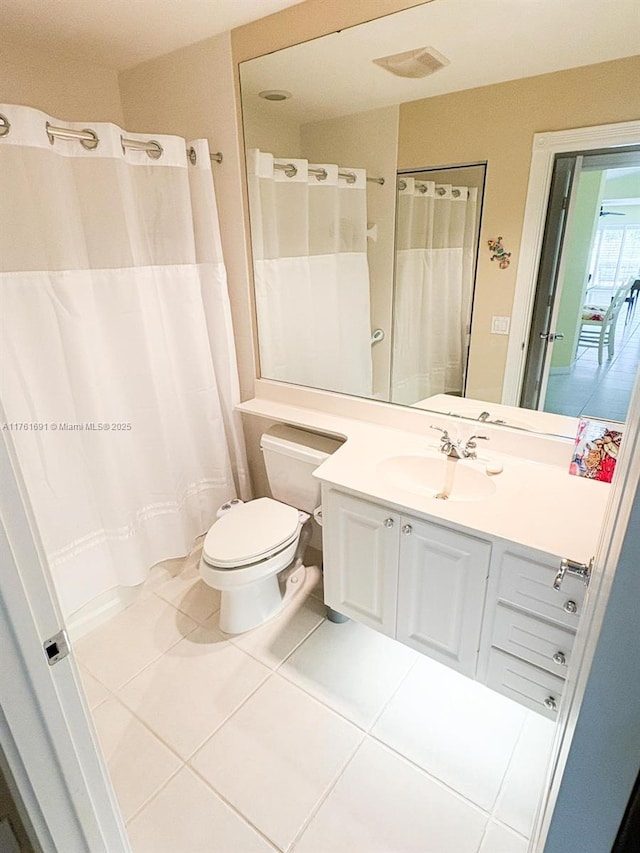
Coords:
pixel 570 607
pixel 560 658
pixel 550 703
pixel 388 522
pixel 406 529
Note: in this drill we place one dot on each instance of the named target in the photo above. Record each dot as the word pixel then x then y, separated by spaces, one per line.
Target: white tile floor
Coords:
pixel 302 736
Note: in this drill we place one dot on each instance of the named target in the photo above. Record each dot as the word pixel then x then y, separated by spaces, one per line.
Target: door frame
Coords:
pixel 47 737
pixel 545 147
pixel 625 492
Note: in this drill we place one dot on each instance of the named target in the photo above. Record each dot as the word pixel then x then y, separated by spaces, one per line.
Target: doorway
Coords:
pixel 584 339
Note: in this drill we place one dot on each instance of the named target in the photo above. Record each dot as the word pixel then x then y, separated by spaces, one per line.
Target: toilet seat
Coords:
pixel 251 533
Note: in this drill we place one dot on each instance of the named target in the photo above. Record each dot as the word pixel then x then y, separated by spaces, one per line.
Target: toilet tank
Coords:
pixel 291 456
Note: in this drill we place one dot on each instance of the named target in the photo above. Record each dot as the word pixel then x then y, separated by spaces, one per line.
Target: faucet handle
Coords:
pixel 471 442
pixel 445 438
pixel 469 451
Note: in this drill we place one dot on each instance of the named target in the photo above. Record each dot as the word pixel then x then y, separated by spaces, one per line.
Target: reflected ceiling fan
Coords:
pixel 604 212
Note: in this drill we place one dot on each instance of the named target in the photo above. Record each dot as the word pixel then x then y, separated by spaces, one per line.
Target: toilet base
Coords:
pixel 249 606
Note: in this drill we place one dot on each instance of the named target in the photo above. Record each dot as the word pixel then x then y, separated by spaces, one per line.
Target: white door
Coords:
pixel 45 727
pixel 441 592
pixel 361 558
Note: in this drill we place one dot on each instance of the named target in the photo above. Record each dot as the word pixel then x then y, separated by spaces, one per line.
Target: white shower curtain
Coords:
pixel 435 236
pixel 117 374
pixel 311 274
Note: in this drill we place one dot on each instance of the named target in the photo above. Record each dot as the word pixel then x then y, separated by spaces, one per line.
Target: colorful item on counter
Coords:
pixel 596 450
pixel 499 253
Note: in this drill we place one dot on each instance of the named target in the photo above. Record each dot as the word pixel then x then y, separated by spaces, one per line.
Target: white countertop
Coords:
pixel 535 504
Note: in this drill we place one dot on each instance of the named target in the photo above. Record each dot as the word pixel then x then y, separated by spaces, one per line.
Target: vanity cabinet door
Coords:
pixel 441 592
pixel 360 544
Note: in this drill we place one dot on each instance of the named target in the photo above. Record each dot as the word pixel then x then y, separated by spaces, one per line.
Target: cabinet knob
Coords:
pixel 406 529
pixel 560 658
pixel 388 522
pixel 570 607
pixel 550 703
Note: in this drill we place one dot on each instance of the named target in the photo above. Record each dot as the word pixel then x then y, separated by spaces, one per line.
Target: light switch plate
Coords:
pixel 500 325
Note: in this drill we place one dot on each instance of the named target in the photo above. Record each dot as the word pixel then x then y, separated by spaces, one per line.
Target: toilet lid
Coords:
pixel 249 532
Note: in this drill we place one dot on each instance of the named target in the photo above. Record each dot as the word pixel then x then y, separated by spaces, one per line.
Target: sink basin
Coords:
pixel 437 476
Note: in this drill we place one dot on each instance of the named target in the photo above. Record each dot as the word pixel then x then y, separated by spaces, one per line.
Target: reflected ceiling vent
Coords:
pixel 274 95
pixel 413 63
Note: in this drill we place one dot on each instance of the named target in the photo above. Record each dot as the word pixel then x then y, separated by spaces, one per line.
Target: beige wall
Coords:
pixel 368 140
pixel 62 87
pixel 190 92
pixel 497 124
pixel 263 129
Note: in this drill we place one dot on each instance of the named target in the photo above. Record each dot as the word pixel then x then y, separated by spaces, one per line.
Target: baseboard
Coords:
pixel 558 371
pixel 99 610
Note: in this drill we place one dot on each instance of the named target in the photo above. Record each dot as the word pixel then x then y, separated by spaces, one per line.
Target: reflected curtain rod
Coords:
pixel 89 139
pixel 402 185
pixel 291 170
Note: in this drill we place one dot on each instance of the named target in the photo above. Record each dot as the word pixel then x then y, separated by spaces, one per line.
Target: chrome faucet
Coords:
pixel 451 448
pixel 483 416
pixel 454 449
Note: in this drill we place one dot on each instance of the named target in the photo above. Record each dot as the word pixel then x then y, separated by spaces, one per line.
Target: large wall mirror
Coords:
pixel 371 155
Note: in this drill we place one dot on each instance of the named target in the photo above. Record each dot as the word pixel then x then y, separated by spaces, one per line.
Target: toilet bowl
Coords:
pixel 242 556
pixel 249 547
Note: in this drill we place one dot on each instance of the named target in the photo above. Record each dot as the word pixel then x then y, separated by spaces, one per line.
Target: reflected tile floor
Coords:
pixel 602 391
pixel 302 736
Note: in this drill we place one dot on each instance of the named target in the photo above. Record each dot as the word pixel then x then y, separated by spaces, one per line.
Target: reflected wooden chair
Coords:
pixel 631 299
pixel 599 323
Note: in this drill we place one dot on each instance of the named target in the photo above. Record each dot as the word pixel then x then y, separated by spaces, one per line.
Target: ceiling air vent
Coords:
pixel 413 63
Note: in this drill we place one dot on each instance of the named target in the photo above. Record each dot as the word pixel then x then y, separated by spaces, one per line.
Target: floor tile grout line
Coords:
pixel 152 731
pixel 199 622
pixel 393 695
pixel 165 743
pixel 287 656
pixel 156 793
pixel 510 762
pixel 440 782
pixel 231 714
pixel 325 795
pixel 323 619
pixel 326 705
pixel 506 774
pixel 232 807
pixel 149 663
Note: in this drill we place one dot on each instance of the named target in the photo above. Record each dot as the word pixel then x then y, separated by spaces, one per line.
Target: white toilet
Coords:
pixel 252 543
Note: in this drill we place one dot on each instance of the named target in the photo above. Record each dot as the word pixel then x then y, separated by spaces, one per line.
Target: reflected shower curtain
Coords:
pixel 117 374
pixel 311 275
pixel 433 289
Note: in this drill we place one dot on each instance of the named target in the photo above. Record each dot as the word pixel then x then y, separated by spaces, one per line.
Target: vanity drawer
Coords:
pixel 524 683
pixel 533 639
pixel 527 582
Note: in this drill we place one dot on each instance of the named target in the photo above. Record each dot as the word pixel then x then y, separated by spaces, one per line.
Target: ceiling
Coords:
pixel 121 33
pixel 486 41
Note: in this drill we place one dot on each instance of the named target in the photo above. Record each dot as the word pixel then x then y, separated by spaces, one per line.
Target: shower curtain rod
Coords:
pixel 291 170
pixel 402 185
pixel 89 139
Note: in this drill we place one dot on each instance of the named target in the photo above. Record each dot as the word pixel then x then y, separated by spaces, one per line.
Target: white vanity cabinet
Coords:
pixel 529 627
pixel 478 604
pixel 360 543
pixel 442 582
pixel 419 582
